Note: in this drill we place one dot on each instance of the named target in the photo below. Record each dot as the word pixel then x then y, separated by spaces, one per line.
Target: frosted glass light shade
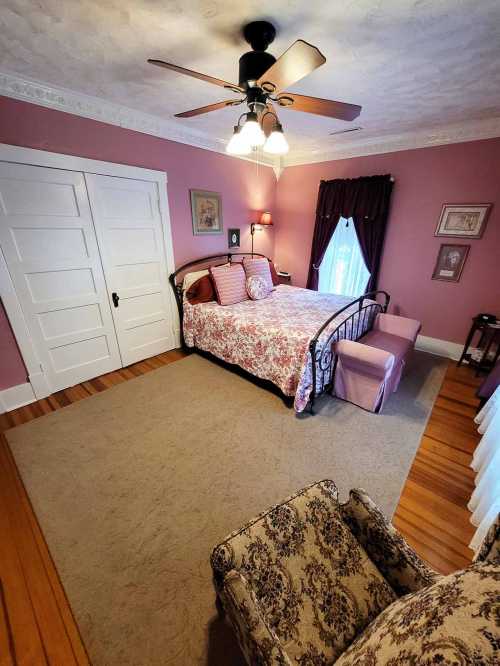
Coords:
pixel 252 133
pixel 276 143
pixel 237 145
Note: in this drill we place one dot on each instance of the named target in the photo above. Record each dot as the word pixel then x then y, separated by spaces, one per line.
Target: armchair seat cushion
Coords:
pixel 453 621
pixel 394 344
pixel 314 584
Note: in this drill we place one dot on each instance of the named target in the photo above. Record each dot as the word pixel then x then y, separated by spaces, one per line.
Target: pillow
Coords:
pixel 274 274
pixel 449 622
pixel 258 266
pixel 257 287
pixel 229 282
pixel 189 278
pixel 201 291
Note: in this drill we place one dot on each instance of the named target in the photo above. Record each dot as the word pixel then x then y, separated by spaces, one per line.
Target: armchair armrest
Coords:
pixel 402 326
pixel 259 643
pixel 400 565
pixel 490 547
pixel 370 360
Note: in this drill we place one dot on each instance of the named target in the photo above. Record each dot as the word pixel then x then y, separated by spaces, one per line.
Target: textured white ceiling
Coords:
pixel 411 64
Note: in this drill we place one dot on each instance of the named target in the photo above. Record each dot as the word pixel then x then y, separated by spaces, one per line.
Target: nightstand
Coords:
pixel 285 278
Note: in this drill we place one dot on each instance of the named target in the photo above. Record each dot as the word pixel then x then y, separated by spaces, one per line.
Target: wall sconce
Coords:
pixel 265 220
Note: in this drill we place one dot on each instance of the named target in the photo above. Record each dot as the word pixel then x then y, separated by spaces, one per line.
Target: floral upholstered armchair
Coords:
pixel 312 582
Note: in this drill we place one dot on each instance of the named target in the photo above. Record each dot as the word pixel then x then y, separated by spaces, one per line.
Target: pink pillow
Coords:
pixel 257 287
pixel 229 283
pixel 258 266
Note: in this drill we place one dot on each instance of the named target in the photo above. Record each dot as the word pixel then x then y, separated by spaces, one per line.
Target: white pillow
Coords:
pixel 189 278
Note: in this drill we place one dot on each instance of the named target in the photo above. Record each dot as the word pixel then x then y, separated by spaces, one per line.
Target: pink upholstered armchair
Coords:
pixel 370 370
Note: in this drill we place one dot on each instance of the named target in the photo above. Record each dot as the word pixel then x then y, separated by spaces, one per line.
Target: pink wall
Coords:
pixel 245 187
pixel 425 179
pixel 12 370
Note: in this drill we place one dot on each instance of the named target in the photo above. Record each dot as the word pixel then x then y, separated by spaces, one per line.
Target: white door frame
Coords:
pixel 30 156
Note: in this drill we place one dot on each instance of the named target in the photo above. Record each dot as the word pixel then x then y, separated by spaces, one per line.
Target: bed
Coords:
pixel 286 338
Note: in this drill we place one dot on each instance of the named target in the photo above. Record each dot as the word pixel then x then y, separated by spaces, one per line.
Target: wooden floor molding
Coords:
pixel 36 622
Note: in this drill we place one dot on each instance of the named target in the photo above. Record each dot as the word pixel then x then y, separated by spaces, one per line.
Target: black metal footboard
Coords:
pixel 353 327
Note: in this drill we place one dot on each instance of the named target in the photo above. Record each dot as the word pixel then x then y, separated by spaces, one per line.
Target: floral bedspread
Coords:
pixel 270 337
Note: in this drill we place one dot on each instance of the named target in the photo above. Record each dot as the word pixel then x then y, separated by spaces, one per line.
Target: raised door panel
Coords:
pixel 130 236
pixel 49 243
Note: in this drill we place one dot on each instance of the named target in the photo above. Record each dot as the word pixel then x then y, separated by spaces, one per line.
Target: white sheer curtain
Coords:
pixel 485 501
pixel 343 269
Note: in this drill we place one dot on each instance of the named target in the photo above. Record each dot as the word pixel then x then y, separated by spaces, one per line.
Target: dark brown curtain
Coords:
pixel 364 199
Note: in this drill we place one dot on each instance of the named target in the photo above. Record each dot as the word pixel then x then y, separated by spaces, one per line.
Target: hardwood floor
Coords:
pixel 432 512
pixel 36 622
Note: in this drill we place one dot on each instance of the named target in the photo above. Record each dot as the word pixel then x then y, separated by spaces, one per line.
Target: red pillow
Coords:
pixel 201 291
pixel 274 275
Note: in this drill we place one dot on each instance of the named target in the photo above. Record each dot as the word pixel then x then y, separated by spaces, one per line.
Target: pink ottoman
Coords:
pixel 370 370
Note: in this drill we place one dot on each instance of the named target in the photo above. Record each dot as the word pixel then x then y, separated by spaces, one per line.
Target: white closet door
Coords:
pixel 49 243
pixel 130 236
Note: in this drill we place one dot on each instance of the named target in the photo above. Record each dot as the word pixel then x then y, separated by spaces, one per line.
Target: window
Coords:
pixel 343 269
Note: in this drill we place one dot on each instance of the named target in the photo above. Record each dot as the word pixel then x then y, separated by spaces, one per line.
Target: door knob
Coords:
pixel 115 298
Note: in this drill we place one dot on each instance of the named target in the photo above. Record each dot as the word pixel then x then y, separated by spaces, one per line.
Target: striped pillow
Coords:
pixel 258 266
pixel 229 283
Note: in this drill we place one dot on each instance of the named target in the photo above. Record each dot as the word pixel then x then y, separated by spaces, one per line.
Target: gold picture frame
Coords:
pixel 463 220
pixel 206 212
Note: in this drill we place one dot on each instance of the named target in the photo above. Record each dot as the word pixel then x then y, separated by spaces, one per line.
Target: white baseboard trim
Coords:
pixel 16 396
pixel 439 347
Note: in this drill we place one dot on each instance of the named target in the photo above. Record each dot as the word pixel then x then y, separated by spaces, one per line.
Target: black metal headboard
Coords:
pixel 227 256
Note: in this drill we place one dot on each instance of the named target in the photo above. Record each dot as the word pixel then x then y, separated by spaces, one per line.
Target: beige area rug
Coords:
pixel 134 486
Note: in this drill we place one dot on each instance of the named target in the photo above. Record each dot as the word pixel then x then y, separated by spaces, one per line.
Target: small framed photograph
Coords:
pixel 206 211
pixel 450 262
pixel 233 238
pixel 463 220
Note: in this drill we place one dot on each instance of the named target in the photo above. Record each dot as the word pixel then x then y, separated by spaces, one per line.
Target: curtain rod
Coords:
pixel 392 179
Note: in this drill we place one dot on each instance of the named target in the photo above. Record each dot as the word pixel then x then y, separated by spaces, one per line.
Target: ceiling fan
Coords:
pixel 262 80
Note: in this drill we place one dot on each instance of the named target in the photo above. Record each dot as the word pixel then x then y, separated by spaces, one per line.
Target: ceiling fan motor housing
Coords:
pixel 259 34
pixel 252 65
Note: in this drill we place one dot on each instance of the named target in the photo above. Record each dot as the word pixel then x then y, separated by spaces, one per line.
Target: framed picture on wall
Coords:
pixel 233 238
pixel 206 211
pixel 463 220
pixel 450 262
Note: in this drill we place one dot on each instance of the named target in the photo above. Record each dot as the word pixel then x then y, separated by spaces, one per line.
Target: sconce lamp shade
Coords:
pixel 266 219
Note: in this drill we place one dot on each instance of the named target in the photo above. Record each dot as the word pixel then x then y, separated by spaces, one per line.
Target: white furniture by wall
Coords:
pixel 485 501
pixel 86 256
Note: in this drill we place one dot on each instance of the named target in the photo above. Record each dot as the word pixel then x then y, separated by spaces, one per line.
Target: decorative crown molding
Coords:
pixel 437 136
pixel 87 106
pixel 344 146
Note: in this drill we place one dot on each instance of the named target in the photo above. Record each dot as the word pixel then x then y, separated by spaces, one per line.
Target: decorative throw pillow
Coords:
pixel 257 287
pixel 274 274
pixel 229 283
pixel 192 277
pixel 201 291
pixel 452 621
pixel 258 266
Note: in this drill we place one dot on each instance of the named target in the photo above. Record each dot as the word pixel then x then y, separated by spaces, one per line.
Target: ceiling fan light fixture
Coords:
pixel 276 143
pixel 237 145
pixel 251 132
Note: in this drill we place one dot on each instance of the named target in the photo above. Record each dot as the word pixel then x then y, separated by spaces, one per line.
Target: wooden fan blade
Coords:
pixel 298 61
pixel 195 75
pixel 208 108
pixel 267 121
pixel 318 106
